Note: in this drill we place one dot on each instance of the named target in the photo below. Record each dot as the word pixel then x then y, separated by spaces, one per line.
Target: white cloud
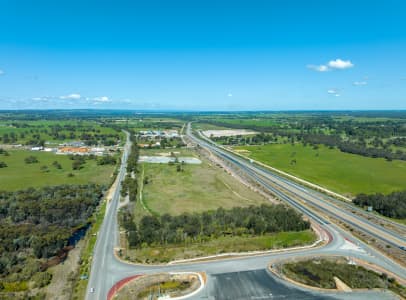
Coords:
pixel 334 92
pixel 73 96
pixel 320 68
pixel 340 64
pixel 1 72
pixel 229 95
pixel 331 65
pixel 101 99
pixel 359 83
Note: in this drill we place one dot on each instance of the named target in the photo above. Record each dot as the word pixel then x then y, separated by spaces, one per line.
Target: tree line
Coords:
pixel 392 205
pixel 199 227
pixel 36 134
pixel 129 186
pixel 349 137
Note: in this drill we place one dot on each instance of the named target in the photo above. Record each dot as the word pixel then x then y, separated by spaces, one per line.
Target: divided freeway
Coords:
pixel 280 186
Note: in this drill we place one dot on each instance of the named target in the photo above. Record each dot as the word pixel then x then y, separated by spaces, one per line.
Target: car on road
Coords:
pixel 92 289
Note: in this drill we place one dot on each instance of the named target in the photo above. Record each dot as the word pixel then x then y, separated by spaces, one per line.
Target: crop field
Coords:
pixel 19 175
pixel 196 188
pixel 345 173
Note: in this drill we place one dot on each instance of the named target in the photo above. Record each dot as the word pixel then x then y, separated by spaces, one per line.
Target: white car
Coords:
pixel 92 289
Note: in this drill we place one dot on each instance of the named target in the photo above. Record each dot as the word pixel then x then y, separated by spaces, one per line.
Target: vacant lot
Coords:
pixel 19 175
pixel 197 188
pixel 221 245
pixel 342 172
pixel 229 132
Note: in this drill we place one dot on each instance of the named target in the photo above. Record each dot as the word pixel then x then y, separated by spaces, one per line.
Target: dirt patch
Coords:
pixel 168 153
pixel 228 132
pixel 341 286
pixel 243 151
pixel 63 275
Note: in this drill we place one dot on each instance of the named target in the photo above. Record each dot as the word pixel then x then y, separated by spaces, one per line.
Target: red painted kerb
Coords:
pixel 115 288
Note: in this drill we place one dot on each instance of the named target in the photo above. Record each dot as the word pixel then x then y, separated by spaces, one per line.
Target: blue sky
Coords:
pixel 203 55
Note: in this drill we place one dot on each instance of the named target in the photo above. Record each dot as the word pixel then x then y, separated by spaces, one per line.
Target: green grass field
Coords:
pixel 19 175
pixel 345 173
pixel 43 128
pixel 198 188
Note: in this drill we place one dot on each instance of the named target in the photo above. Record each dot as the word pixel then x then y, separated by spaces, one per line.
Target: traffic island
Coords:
pixel 335 273
pixel 158 286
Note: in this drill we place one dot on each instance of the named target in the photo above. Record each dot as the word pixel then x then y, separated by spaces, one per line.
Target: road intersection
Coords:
pixel 107 269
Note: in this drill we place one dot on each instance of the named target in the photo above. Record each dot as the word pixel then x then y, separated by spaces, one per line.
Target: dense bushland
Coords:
pixel 35 224
pixel 392 205
pixel 321 272
pixel 253 220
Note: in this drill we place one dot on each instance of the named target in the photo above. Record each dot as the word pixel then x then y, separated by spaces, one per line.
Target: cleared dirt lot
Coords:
pixel 227 132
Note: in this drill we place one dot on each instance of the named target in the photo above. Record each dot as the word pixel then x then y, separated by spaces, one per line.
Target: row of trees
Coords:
pixel 359 147
pixel 351 125
pixel 197 227
pixel 256 139
pixel 130 187
pixel 392 205
pixel 130 184
pixel 347 137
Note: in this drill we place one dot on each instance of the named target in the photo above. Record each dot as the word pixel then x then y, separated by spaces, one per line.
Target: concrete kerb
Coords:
pixel 201 287
pixel 122 283
pixel 320 242
pixel 318 289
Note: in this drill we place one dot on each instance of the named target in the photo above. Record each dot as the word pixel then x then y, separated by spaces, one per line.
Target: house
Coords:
pixel 73 150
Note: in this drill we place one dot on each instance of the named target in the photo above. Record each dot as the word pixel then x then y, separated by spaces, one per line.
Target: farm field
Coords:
pixel 345 173
pixel 19 175
pixel 197 188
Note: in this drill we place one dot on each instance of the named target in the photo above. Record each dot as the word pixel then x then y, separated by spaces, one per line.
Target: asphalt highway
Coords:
pixel 107 269
pixel 274 181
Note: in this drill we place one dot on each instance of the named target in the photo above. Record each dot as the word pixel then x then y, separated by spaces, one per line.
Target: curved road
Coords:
pixel 107 269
